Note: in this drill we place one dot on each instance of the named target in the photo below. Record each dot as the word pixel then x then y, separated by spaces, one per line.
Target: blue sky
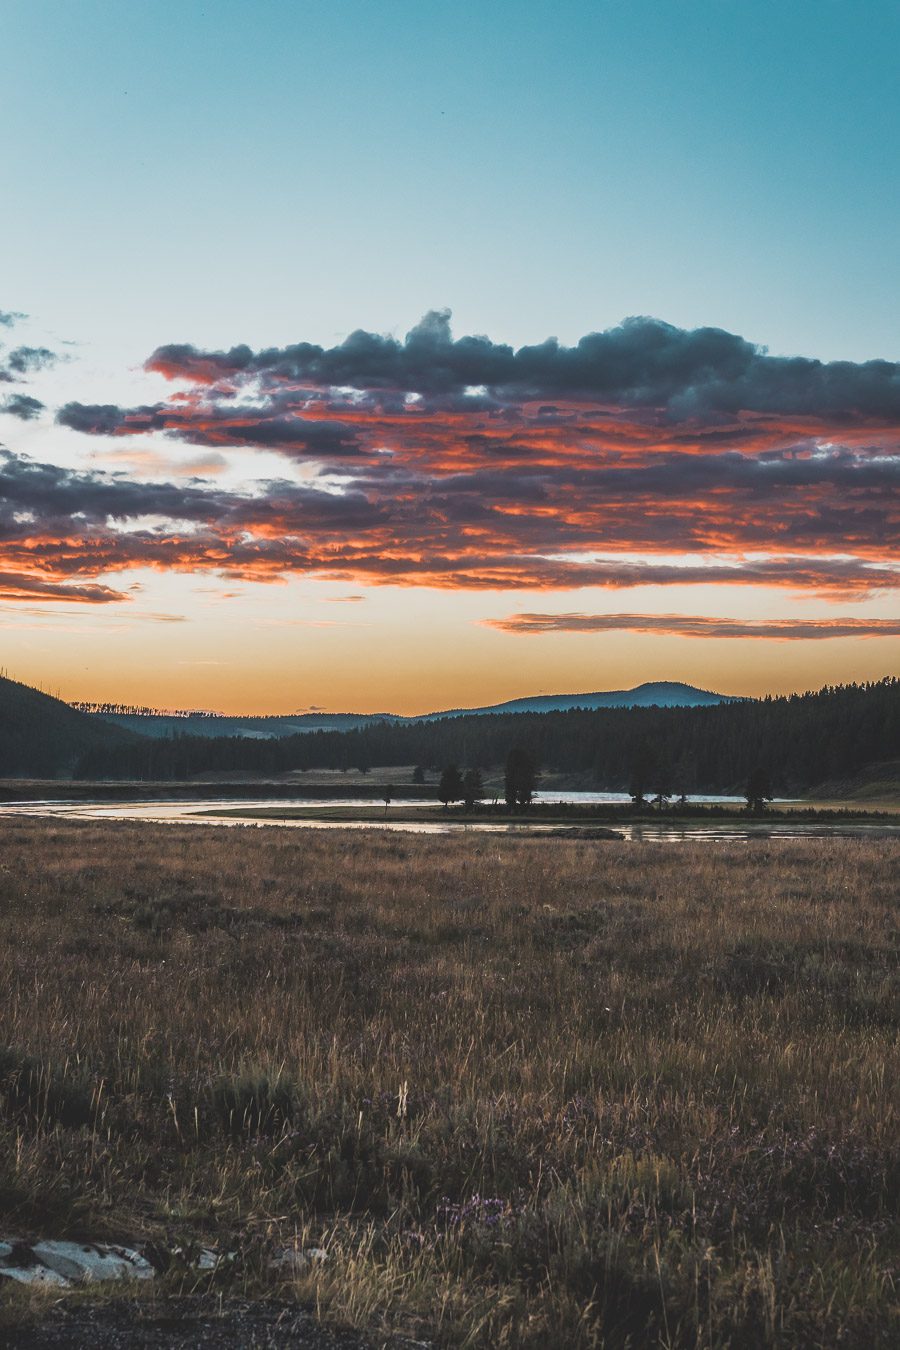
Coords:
pixel 236 171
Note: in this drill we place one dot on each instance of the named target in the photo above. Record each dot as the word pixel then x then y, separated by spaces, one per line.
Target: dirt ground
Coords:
pixel 187 1321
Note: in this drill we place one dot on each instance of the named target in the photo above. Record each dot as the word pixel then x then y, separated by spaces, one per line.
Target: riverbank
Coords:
pixel 336 799
pixel 555 813
pixel 712 823
pixel 106 790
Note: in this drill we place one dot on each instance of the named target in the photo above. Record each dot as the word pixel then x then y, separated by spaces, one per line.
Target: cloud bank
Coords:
pixel 464 463
pixel 643 363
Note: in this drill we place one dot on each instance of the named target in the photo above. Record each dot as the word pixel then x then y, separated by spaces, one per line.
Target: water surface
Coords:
pixel 201 812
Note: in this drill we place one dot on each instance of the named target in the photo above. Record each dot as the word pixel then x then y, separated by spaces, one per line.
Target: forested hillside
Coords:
pixel 41 737
pixel 799 741
pixel 163 726
pixel 150 722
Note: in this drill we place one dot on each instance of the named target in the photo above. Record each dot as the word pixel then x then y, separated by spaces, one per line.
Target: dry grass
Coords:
pixel 526 1092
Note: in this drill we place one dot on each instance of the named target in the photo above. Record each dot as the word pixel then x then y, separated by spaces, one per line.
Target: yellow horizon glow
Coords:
pixel 411 681
pixel 279 649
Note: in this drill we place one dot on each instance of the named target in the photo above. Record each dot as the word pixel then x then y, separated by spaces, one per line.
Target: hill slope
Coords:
pixel 42 737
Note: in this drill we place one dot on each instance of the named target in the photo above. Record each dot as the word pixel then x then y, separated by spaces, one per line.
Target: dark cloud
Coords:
pixel 10 317
pixel 50 493
pixel 25 360
pixel 46 492
pixel 678 625
pixel 105 419
pixel 287 435
pixel 833 576
pixel 20 362
pixel 643 363
pixel 22 406
pixel 263 427
pixel 388 525
pixel 673 476
pixel 21 586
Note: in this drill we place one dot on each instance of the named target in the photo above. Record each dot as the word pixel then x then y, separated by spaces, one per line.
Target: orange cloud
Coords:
pixel 685 625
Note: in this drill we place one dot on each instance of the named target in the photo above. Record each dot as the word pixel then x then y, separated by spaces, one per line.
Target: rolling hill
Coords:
pixel 42 737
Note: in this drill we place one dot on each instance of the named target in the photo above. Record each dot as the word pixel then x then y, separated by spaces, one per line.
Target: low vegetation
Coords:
pixel 524 1092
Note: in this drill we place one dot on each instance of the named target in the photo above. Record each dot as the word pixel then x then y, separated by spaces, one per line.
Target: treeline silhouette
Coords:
pixel 42 737
pixel 800 740
pixel 141 710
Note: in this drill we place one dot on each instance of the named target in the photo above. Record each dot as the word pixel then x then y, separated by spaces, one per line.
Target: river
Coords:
pixel 203 812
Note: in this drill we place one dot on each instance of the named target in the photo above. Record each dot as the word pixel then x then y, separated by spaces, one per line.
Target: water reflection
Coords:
pixel 256 814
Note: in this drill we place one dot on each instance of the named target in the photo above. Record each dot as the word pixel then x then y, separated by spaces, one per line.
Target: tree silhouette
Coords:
pixel 642 767
pixel 450 788
pixel 758 790
pixel 661 783
pixel 472 788
pixel 520 778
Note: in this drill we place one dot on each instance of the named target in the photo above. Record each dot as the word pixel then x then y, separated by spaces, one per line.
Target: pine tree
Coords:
pixel 520 779
pixel 450 788
pixel 473 788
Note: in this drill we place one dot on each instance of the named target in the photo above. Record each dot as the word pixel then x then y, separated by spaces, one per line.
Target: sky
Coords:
pixel 418 355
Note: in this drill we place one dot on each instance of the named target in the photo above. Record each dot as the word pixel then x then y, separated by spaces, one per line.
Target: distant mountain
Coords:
pixel 41 737
pixel 660 694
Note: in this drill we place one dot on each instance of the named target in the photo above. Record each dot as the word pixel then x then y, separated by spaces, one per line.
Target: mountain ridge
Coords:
pixel 656 693
pixel 652 693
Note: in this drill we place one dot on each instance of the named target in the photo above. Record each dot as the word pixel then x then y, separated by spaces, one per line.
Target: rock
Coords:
pixel 210 1260
pixel 295 1259
pixel 68 1263
pixel 195 1258
pixel 64 1264
pixel 34 1275
pixel 93 1261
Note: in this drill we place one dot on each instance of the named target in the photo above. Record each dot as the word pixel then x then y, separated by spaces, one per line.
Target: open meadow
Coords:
pixel 523 1092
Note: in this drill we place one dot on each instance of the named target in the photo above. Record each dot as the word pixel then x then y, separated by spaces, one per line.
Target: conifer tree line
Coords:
pixel 797 742
pixel 42 737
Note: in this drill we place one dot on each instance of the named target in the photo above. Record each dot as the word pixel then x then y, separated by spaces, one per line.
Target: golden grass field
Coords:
pixel 525 1092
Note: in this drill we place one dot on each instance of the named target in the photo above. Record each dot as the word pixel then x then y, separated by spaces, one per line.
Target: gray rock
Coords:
pixel 68 1263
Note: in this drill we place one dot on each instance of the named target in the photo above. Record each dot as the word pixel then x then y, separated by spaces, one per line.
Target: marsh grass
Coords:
pixel 525 1092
